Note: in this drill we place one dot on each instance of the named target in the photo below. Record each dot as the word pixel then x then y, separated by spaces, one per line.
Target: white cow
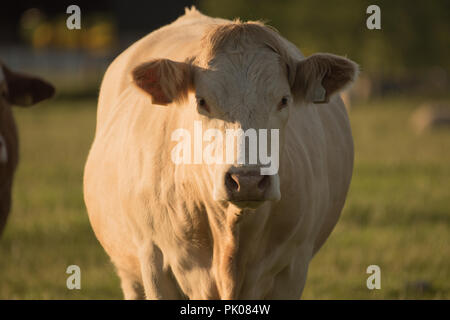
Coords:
pixel 217 231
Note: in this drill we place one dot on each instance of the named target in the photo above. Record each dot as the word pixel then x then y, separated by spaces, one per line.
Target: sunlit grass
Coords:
pixel 397 214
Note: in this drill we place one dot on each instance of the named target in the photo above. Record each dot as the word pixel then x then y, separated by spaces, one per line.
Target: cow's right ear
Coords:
pixel 24 90
pixel 166 81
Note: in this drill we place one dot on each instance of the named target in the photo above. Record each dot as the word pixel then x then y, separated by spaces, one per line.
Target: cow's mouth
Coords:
pixel 247 204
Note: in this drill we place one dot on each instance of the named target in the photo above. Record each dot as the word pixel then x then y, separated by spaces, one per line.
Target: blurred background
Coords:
pixel 397 213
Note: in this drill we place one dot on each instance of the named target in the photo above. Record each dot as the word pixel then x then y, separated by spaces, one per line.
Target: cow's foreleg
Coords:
pixel 159 283
pixel 131 286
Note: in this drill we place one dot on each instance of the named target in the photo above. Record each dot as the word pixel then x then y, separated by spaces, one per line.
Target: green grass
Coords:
pixel 397 213
pixel 49 229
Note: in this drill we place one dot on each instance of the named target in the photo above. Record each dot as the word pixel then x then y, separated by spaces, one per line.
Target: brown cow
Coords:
pixel 22 90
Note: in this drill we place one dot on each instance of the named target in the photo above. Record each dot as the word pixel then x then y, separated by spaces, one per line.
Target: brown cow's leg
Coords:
pixel 5 207
pixel 3 219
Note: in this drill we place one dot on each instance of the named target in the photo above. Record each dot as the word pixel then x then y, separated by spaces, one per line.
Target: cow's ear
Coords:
pixel 166 81
pixel 321 75
pixel 25 90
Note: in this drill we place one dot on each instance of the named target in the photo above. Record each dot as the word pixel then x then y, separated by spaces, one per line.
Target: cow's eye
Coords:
pixel 202 104
pixel 283 103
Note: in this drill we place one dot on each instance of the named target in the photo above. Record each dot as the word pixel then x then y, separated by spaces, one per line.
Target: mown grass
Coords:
pixel 397 214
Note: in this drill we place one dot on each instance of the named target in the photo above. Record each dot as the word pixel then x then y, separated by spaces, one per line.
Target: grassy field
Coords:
pixel 397 215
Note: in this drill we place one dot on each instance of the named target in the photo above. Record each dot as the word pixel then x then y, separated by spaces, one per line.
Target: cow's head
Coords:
pixel 245 78
pixel 21 90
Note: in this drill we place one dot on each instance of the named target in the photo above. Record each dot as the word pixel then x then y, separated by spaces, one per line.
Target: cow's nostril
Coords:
pixel 264 183
pixel 231 182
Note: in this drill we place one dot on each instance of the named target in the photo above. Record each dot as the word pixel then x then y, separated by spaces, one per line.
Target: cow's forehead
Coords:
pixel 253 66
pixel 259 73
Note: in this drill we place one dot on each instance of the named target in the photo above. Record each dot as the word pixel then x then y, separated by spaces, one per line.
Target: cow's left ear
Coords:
pixel 25 90
pixel 321 75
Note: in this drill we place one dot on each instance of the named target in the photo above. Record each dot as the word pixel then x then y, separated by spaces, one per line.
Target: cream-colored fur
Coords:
pixel 158 221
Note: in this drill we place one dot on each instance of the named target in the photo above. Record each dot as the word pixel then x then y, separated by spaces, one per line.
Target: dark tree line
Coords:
pixel 415 35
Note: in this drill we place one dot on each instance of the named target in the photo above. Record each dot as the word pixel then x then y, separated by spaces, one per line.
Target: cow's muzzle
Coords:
pixel 246 187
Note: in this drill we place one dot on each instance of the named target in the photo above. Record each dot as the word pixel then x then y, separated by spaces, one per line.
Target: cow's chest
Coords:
pixel 243 258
